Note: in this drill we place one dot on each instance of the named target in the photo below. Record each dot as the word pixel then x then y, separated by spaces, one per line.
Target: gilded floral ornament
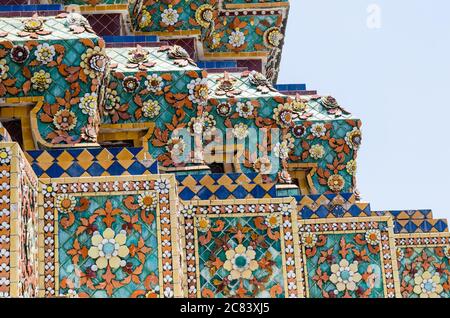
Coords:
pixel 373 237
pixel 260 81
pixel 33 27
pixel 94 62
pixel 226 86
pixel 427 285
pixel 178 54
pixel 198 91
pixel 345 276
pixel 353 138
pixel 41 81
pixel 148 201
pixel 204 15
pixel 336 183
pixel 19 54
pixel 309 240
pixel 65 203
pixel 108 249
pixel 263 165
pixel 273 37
pixel 139 58
pixel 240 262
pixel 65 120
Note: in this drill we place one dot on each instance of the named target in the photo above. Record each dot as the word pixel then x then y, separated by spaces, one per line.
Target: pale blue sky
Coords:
pixel 395 79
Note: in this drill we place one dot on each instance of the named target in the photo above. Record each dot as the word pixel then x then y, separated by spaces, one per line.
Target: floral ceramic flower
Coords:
pixel 283 115
pixel 148 200
pixel 162 186
pixel 298 131
pixel 188 211
pixel 351 167
pixel 145 19
pixel 5 155
pixel 109 249
pixel 226 86
pixel 151 109
pixel 4 68
pixel 240 131
pixel 77 23
pixel 240 262
pixel 318 130
pixel 19 53
pixel 273 37
pixel 65 120
pixel 283 149
pixel 353 138
pixel 427 285
pixel 237 38
pixel 345 275
pixel 273 220
pixel 204 15
pixel 447 251
pixel 336 182
pixel 45 53
pixel 203 224
pixel 170 16
pixel 373 237
pixel 215 40
pixel 263 165
pixel 400 254
pixel 88 104
pixel 198 91
pixel 178 54
pixel 245 110
pixel 130 84
pixel 317 151
pixel 94 62
pixel 154 83
pixel 41 80
pixel 224 109
pixel 260 81
pixel 65 203
pixel 112 102
pixel 309 239
pixel 176 146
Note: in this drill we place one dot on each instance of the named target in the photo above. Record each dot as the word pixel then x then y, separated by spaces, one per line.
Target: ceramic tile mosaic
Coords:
pixel 423 264
pixel 349 257
pixel 109 237
pixel 240 248
pixel 94 203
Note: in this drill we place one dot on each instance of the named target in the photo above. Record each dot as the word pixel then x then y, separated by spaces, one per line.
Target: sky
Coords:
pixel 388 63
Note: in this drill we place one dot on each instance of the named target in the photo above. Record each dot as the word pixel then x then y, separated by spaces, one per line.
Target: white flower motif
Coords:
pixel 373 237
pixel 162 186
pixel 198 91
pixel 240 131
pixel 45 53
pixel 88 104
pixel 427 285
pixel 345 275
pixel 151 109
pixel 240 262
pixel 245 110
pixel 65 203
pixel 170 16
pixel 154 83
pixel 5 155
pixel 317 151
pixel 148 200
pixel 318 130
pixel 108 248
pixel 237 38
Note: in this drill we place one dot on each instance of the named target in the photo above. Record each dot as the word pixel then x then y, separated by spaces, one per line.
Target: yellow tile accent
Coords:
pixel 124 155
pixel 65 156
